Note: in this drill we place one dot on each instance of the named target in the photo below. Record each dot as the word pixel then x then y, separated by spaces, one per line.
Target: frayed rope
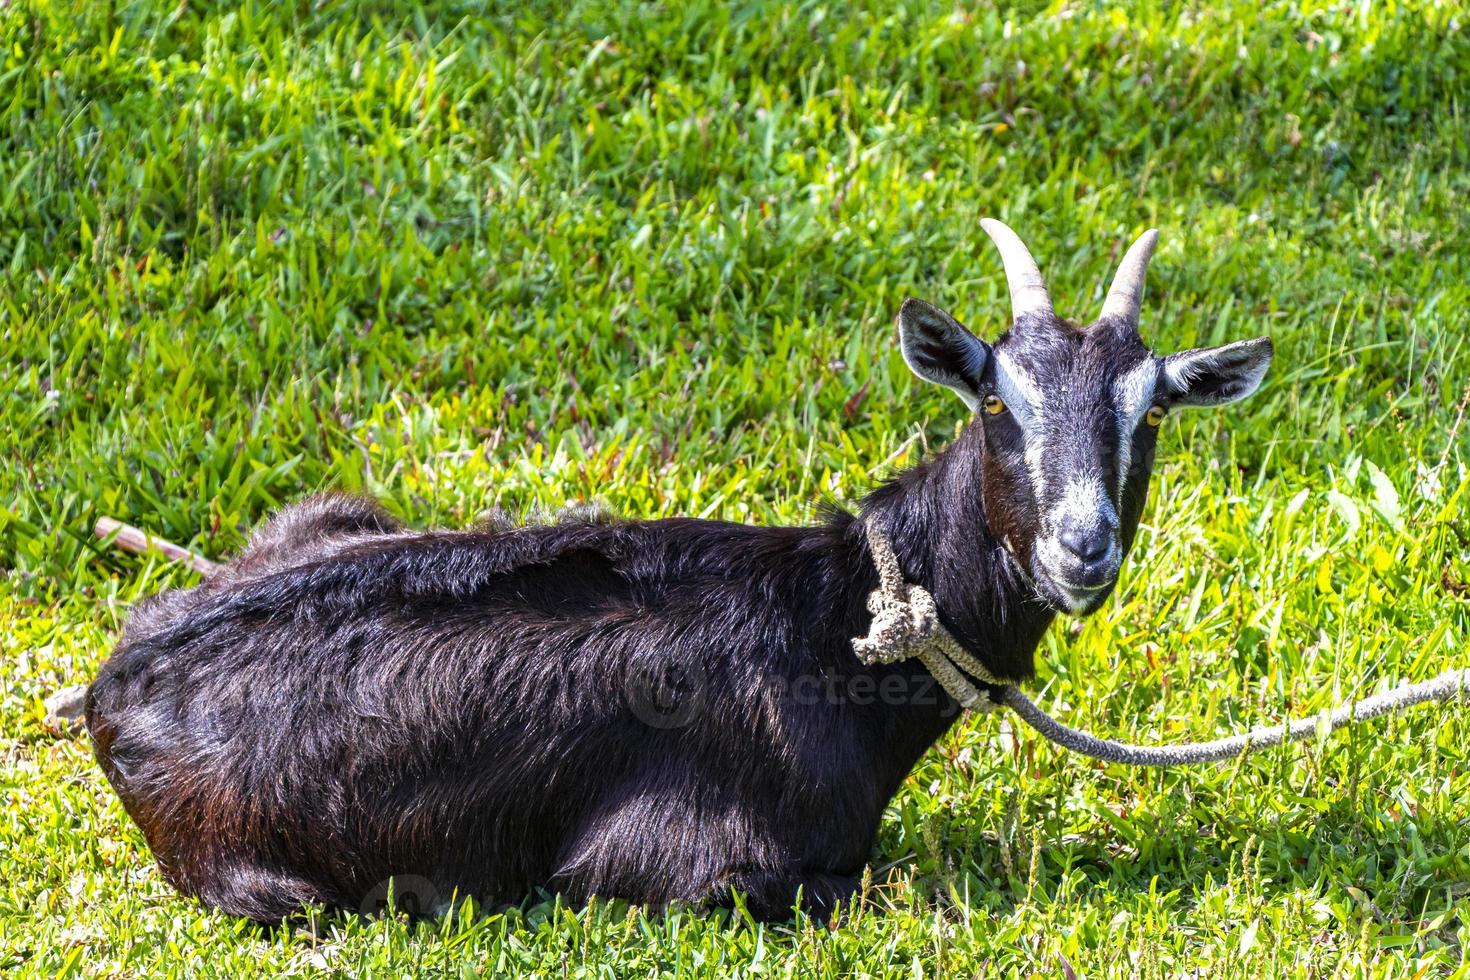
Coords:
pixel 906 625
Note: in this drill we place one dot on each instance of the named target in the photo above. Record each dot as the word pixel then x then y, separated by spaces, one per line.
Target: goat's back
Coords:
pixel 463 707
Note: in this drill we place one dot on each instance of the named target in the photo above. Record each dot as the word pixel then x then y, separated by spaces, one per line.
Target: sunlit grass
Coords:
pixel 515 258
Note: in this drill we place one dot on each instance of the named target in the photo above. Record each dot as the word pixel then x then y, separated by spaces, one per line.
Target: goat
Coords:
pixel 665 710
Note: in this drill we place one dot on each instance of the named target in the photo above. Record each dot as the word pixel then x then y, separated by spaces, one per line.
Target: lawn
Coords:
pixel 529 254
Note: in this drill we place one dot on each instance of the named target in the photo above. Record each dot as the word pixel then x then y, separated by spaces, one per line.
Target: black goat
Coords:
pixel 659 710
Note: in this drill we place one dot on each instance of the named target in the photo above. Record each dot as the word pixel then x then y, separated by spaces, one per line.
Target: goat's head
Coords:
pixel 1069 416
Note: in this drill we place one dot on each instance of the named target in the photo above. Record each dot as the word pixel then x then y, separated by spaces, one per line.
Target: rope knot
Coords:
pixel 900 622
pixel 906 625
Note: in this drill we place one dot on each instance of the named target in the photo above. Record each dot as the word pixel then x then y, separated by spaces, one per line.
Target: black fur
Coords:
pixel 660 710
pixel 491 710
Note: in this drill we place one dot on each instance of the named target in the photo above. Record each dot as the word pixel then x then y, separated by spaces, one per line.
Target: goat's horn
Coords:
pixel 1126 294
pixel 1028 292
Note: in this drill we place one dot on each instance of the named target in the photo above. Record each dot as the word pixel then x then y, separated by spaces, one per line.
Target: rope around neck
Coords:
pixel 906 625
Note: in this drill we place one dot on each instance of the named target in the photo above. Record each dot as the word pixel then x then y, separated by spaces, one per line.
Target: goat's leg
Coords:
pixel 251 892
pixel 771 896
pixel 653 853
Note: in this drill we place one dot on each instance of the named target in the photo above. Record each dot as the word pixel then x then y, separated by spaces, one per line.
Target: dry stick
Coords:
pixel 139 542
pixel 64 708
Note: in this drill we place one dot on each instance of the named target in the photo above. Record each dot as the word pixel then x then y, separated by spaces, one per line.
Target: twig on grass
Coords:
pixel 136 541
pixel 64 709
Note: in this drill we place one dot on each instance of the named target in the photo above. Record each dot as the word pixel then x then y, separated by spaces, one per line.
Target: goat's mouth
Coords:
pixel 1075 599
pixel 1071 587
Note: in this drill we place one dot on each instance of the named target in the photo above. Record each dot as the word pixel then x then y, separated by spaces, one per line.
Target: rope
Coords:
pixel 906 625
pixel 1447 686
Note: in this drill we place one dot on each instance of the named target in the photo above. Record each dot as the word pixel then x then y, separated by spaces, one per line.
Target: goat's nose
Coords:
pixel 1088 543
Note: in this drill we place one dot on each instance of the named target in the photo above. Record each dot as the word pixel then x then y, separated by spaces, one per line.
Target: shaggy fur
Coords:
pixel 658 710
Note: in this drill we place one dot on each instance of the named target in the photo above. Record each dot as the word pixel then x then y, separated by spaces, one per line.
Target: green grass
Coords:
pixel 649 254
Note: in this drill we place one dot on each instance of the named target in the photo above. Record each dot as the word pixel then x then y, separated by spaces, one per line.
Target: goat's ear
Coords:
pixel 938 349
pixel 1217 375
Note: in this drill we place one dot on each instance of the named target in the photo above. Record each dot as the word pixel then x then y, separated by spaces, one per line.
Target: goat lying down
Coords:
pixel 657 710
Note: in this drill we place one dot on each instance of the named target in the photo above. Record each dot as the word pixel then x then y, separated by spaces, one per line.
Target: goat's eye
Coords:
pixel 1155 415
pixel 993 405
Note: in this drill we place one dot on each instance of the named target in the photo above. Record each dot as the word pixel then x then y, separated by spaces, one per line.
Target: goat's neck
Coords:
pixel 936 519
